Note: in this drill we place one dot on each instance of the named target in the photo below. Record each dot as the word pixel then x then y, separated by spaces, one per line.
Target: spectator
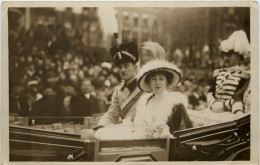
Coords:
pixel 47 106
pixel 33 94
pixel 84 104
pixel 17 103
pixel 64 100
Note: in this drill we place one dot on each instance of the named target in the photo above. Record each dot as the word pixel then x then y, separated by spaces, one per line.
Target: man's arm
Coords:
pixel 238 104
pixel 110 117
pixel 211 93
pixel 113 113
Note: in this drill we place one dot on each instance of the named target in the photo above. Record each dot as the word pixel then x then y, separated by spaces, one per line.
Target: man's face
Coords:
pixel 86 86
pixel 231 59
pixel 69 90
pixel 17 90
pixel 49 92
pixel 127 70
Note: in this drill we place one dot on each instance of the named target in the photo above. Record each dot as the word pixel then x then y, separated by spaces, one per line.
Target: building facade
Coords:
pixel 145 24
pixel 197 32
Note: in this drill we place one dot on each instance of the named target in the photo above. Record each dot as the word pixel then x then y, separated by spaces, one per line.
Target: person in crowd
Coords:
pixel 51 78
pixel 127 93
pixel 151 51
pixel 159 105
pixel 33 94
pixel 17 103
pixel 64 99
pixel 47 106
pixel 84 104
pixel 197 99
pixel 226 92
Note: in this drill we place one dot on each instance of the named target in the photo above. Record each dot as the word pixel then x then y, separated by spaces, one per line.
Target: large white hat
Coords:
pixel 154 66
pixel 237 42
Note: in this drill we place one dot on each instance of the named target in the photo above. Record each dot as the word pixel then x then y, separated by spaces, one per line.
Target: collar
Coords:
pixel 87 95
pixel 234 67
pixel 131 85
pixel 160 95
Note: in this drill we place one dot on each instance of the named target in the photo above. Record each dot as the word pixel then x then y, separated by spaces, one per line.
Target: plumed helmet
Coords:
pixel 237 43
pixel 126 52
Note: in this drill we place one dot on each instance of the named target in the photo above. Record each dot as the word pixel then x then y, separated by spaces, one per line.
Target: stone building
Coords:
pixel 145 24
pixel 196 32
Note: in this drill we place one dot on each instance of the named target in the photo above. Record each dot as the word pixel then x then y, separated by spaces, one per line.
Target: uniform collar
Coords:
pixel 234 67
pixel 131 85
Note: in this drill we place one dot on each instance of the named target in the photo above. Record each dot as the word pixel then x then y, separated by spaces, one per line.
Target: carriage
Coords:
pixel 61 141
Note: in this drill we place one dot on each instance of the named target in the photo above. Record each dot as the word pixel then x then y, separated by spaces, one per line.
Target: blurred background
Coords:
pixel 52 50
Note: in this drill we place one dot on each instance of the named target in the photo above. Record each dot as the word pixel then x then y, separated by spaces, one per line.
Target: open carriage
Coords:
pixel 47 142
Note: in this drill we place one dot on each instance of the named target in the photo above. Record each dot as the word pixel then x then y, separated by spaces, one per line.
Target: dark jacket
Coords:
pixel 81 106
pixel 18 106
pixel 46 107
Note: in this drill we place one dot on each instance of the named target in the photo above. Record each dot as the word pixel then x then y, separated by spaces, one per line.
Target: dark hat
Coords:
pixel 50 74
pixel 47 86
pixel 126 52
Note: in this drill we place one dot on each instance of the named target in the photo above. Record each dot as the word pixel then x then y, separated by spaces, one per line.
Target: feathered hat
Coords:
pixel 237 43
pixel 155 66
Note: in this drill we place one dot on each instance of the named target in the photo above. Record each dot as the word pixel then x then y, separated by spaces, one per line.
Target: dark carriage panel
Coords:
pixel 225 141
pixel 28 144
pixel 132 150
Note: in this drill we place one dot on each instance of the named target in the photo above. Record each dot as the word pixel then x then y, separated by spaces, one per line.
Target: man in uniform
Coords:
pixel 127 93
pixel 227 90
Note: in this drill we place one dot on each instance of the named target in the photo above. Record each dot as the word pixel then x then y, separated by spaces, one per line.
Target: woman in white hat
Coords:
pixel 158 105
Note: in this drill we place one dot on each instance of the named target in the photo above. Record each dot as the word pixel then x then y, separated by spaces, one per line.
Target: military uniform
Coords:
pixel 228 85
pixel 125 95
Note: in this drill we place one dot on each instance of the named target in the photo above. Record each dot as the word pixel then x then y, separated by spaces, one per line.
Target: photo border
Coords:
pixel 254 33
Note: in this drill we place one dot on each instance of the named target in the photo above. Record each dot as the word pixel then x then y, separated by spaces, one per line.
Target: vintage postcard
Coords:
pixel 105 82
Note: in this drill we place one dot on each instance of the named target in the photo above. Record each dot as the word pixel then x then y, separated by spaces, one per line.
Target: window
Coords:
pixel 145 30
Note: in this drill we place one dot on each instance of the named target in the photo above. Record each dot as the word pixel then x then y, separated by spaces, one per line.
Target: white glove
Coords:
pixel 217 107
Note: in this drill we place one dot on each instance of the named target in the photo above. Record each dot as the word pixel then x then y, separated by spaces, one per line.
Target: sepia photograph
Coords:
pixel 108 82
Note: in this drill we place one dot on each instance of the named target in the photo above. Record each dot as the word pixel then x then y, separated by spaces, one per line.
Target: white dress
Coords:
pixel 152 112
pixel 150 120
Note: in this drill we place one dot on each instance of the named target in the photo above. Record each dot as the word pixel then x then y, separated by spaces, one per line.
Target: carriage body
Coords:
pixel 218 142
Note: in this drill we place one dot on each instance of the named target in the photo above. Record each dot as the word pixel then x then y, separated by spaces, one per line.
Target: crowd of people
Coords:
pixel 49 69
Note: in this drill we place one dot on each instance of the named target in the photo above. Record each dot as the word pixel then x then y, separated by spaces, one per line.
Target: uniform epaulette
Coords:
pixel 242 72
pixel 245 74
pixel 216 72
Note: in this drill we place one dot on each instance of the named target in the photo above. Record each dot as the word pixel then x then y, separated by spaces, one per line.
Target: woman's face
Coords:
pixel 158 82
